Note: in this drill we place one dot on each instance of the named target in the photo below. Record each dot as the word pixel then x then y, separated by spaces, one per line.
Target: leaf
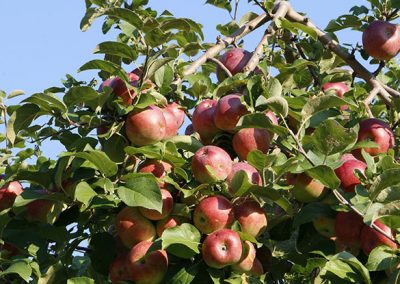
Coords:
pixel 325 175
pixel 105 66
pixel 241 184
pixel 278 104
pixel 382 258
pixel 391 213
pixel 84 95
pixel 315 105
pixel 154 151
pixel 260 120
pixel 80 280
pixel 47 102
pixel 20 267
pixel 230 84
pixel 84 193
pixel 117 49
pixel 386 179
pixel 16 93
pixel 157 64
pixel 20 119
pixel 274 88
pixel 126 15
pixel 100 160
pixel 164 76
pixel 311 211
pixel 87 20
pixel 185 235
pixel 185 275
pixel 102 251
pixel 354 262
pixel 295 26
pixel 223 4
pixel 141 190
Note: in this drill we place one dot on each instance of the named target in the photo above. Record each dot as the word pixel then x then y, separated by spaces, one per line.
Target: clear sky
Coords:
pixel 41 40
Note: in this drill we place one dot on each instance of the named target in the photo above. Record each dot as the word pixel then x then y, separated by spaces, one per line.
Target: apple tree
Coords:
pixel 194 162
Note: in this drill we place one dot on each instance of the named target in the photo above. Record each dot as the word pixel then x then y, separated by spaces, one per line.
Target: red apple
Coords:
pixel 305 189
pixel 252 174
pixel 203 120
pixel 213 213
pixel 211 164
pixel 348 226
pixel 346 174
pixel 251 217
pixel 146 127
pixel 370 238
pixel 8 192
pixel 133 228
pixel 234 60
pixel 118 270
pixel 228 112
pixel 156 167
pixel 250 139
pixel 174 117
pixel 41 210
pixel 257 269
pixel 246 262
pixel 144 267
pixel 222 248
pixel 377 131
pixel 168 222
pixel 167 206
pixel 106 83
pixel 381 40
pixel 178 112
pixel 340 89
pixel 121 90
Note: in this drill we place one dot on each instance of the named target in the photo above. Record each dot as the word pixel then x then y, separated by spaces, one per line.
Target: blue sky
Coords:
pixel 41 40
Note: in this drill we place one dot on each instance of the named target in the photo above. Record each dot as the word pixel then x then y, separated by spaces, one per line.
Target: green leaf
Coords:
pixel 157 64
pixel 325 175
pixel 354 262
pixel 185 275
pixel 105 66
pixel 295 26
pixel 185 235
pixel 16 93
pixel 126 15
pixel 20 267
pixel 223 4
pixel 100 160
pixel 141 190
pixel 315 105
pixel 84 95
pixel 47 102
pixel 230 84
pixel 20 119
pixel 241 184
pixel 154 151
pixel 382 258
pixel 260 120
pixel 274 88
pixel 391 213
pixel 311 211
pixel 344 22
pixel 387 179
pixel 80 280
pixel 278 104
pixel 87 20
pixel 186 142
pixel 84 193
pixel 164 76
pixel 117 49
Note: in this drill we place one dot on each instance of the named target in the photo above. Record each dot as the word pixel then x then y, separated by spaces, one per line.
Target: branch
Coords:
pixel 221 65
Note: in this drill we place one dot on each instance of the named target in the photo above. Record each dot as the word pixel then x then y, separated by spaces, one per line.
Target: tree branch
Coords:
pixel 221 65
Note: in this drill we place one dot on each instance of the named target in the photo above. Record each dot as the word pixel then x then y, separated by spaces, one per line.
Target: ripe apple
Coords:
pixel 257 269
pixel 178 112
pixel 222 248
pixel 146 127
pixel 174 117
pixel 106 83
pixel 348 226
pixel 370 238
pixel 251 217
pixel 346 174
pixel 146 268
pixel 121 90
pixel 41 210
pixel 377 131
pixel 234 60
pixel 156 167
pixel 252 174
pixel 168 222
pixel 381 40
pixel 305 189
pixel 325 226
pixel 167 206
pixel 228 112
pixel 133 228
pixel 246 262
pixel 8 192
pixel 118 270
pixel 340 89
pixel 211 164
pixel 213 213
pixel 203 120
pixel 250 139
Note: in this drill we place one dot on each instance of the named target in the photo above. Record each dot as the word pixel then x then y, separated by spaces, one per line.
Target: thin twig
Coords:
pixel 221 65
pixel 379 69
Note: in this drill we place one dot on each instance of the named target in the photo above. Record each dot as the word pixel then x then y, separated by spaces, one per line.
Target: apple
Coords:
pixel 211 164
pixel 118 270
pixel 325 226
pixel 340 88
pixel 203 120
pixel 346 174
pixel 106 83
pixel 252 174
pixel 222 248
pixel 174 117
pixel 8 192
pixel 132 227
pixel 250 139
pixel 234 60
pixel 168 222
pixel 228 112
pixel 348 226
pixel 257 269
pixel 246 262
pixel 41 210
pixel 377 131
pixel 121 90
pixel 167 206
pixel 381 40
pixel 144 267
pixel 370 238
pixel 178 112
pixel 156 167
pixel 213 213
pixel 251 217
pixel 305 189
pixel 145 127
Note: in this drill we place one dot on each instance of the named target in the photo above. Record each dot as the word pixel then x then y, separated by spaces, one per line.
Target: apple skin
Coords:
pixel 213 213
pixel 257 269
pixel 145 127
pixel 250 139
pixel 305 189
pixel 246 262
pixel 121 90
pixel 8 192
pixel 178 112
pixel 168 204
pixel 222 248
pixel 340 89
pixel 252 174
pixel 174 117
pixel 251 217
pixel 348 226
pixel 168 222
pixel 156 167
pixel 234 60
pixel 381 40
pixel 228 112
pixel 146 268
pixel 325 226
pixel 118 270
pixel 346 174
pixel 370 238
pixel 132 227
pixel 377 131
pixel 203 120
pixel 214 157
